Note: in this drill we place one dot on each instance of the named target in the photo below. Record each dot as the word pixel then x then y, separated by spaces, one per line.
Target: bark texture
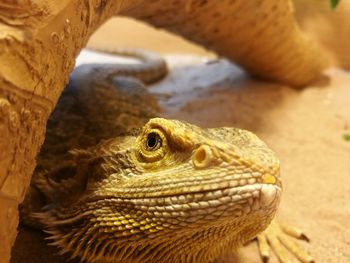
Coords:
pixel 39 41
pixel 261 36
pixel 38 44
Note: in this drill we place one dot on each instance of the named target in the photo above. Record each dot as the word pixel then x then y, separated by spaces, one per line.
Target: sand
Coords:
pixel 304 127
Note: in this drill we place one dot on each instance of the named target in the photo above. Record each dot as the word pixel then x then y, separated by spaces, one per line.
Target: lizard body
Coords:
pixel 167 192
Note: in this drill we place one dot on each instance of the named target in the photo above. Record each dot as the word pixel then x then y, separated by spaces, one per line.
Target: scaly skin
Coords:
pixel 195 194
pixel 200 193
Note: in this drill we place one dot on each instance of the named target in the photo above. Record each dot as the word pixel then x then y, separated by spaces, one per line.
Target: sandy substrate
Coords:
pixel 304 127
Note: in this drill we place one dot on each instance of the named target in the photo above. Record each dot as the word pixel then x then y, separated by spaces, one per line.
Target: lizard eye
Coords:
pixel 153 142
pixel 152 146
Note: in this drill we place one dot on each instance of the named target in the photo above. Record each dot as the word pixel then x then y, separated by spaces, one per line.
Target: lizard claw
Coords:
pixel 277 236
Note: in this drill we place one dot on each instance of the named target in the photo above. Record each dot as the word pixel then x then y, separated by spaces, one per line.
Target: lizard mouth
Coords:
pixel 229 188
pixel 209 192
pixel 219 202
pixel 208 205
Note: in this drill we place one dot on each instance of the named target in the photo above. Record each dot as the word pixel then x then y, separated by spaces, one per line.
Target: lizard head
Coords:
pixel 174 189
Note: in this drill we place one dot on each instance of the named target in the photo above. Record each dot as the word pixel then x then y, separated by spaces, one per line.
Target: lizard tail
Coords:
pixel 151 69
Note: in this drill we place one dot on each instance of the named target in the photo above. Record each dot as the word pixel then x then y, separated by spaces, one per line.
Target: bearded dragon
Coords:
pixel 114 183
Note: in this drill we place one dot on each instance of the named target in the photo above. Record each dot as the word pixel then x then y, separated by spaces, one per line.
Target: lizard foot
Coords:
pixel 278 236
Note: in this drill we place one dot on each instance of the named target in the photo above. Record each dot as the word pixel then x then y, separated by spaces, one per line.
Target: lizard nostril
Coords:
pixel 202 157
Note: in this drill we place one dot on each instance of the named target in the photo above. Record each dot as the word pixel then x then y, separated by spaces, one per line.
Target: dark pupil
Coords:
pixel 152 141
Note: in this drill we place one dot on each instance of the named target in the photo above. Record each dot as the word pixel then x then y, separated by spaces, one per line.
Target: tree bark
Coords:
pixel 38 46
pixel 39 41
